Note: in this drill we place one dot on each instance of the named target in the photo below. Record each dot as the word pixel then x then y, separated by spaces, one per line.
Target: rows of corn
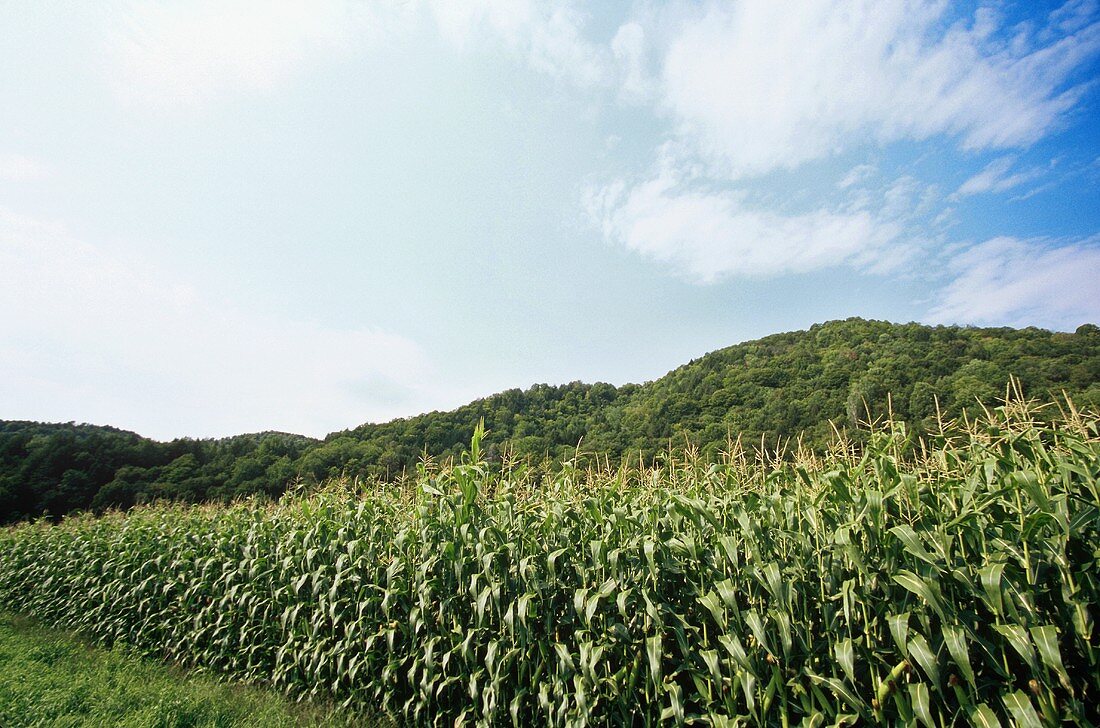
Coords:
pixel 934 583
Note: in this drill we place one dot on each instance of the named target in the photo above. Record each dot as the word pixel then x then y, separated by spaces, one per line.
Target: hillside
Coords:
pixel 767 390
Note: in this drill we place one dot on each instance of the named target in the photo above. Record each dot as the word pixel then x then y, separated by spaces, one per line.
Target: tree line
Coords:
pixel 799 384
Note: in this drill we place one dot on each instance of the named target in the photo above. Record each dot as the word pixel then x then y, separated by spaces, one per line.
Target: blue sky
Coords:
pixel 223 217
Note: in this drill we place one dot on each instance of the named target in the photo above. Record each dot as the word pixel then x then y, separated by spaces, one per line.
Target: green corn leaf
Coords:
pixel 814 720
pixel 591 605
pixel 649 548
pixel 899 630
pixel 515 705
pixel 783 621
pixel 1046 639
pixel 845 655
pixel 955 639
pixel 773 580
pixel 922 653
pixel 1022 711
pixel 729 548
pixel 728 592
pixel 482 602
pixel 565 658
pixel 921 702
pixel 714 606
pixel 620 603
pixel 675 709
pixel 983 716
pixel 990 577
pixel 748 689
pixel 737 651
pixel 921 588
pixel 1029 481
pixel 840 690
pixel 1017 637
pixel 710 659
pixel 580 597
pixel 911 541
pixel 653 653
pixel 756 624
pixel 552 562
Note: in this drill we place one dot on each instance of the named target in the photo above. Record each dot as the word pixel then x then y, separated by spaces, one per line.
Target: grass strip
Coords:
pixel 53 678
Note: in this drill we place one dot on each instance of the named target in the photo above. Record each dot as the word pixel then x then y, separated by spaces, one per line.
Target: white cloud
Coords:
pixel 857 174
pixel 558 49
pixel 996 177
pixel 757 87
pixel 21 168
pixel 752 89
pixel 711 234
pixel 710 230
pixel 629 49
pixel 1074 15
pixel 1007 281
pixel 466 23
pixel 907 197
pixel 93 336
pixel 548 34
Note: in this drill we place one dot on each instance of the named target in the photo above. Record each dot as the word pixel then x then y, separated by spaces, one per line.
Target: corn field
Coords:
pixel 951 581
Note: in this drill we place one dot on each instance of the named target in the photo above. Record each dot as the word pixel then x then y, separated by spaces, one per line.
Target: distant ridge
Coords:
pixel 777 387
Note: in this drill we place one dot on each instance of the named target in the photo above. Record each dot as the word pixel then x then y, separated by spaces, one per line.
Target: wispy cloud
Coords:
pixel 753 90
pixel 630 49
pixel 548 36
pixel 997 176
pixel 711 233
pixel 856 174
pixel 1074 15
pixel 1008 281
pixel 99 336
pixel 757 87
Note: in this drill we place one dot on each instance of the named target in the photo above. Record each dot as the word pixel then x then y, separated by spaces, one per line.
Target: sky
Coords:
pixel 232 216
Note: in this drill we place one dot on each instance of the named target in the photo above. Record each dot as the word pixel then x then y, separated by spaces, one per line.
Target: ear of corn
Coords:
pixel 950 583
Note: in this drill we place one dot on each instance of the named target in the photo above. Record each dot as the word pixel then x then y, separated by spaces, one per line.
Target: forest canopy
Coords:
pixel 799 384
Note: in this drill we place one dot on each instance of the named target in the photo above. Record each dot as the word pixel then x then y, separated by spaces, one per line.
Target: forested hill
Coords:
pixel 773 388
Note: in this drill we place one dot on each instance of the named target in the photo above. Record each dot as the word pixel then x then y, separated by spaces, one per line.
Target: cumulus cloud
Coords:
pixel 1008 281
pixel 98 336
pixel 758 88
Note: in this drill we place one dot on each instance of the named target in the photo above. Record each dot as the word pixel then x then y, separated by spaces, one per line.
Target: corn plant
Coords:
pixel 948 581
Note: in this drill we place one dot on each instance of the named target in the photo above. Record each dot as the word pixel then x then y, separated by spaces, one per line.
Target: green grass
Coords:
pixel 52 678
pixel 932 582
